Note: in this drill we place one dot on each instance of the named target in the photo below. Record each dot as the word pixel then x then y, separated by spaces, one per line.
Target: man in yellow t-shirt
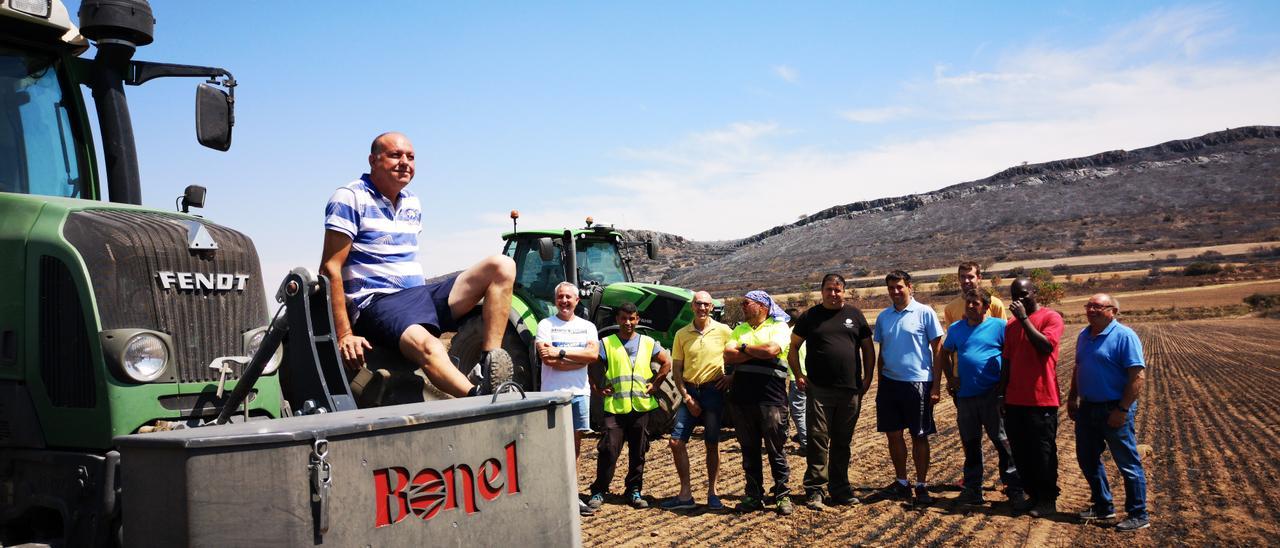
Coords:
pixel 969 275
pixel 698 357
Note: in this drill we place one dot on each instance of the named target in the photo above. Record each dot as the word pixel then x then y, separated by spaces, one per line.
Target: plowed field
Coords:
pixel 1209 410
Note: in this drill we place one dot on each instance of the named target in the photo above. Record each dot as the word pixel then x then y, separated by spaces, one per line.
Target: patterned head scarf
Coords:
pixel 775 311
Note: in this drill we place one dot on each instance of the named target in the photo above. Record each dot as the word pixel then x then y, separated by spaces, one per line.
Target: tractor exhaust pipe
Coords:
pixel 570 258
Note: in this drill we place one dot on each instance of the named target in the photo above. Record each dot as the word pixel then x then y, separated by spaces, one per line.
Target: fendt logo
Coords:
pixel 193 281
pixel 430 491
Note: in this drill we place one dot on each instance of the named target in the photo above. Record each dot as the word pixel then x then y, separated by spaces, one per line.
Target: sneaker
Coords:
pixel 1044 509
pixel 894 490
pixel 845 499
pixel 814 501
pixel 713 503
pixel 749 504
pixel 1092 514
pixel 784 505
pixel 922 497
pixel 636 501
pixel 584 510
pixel 676 503
pixel 596 501
pixel 970 497
pixel 1133 524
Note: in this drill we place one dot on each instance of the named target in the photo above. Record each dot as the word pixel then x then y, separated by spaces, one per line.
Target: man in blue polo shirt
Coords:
pixel 974 345
pixel 909 335
pixel 371 244
pixel 1103 401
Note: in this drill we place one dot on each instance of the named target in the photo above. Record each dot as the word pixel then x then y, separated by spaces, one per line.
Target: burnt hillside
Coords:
pixel 1222 187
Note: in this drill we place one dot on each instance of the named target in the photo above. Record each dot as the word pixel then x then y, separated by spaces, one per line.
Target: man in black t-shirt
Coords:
pixel 839 360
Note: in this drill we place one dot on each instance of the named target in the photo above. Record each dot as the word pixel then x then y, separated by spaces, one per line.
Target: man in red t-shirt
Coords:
pixel 1030 387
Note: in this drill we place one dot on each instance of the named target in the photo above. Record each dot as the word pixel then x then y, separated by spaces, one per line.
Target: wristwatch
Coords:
pixel 562 353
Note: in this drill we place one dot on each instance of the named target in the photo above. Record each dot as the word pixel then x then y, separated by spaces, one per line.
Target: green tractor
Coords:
pixel 593 258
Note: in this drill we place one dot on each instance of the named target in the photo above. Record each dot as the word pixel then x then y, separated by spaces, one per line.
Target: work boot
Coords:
pixel 596 501
pixel 970 497
pixel 636 501
pixel 494 368
pixel 784 505
pixel 1045 509
pixel 814 501
pixel 749 504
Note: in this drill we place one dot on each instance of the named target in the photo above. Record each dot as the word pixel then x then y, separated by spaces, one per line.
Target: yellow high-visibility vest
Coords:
pixel 628 379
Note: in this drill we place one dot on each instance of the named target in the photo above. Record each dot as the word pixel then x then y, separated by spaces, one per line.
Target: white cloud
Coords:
pixel 1144 84
pixel 786 73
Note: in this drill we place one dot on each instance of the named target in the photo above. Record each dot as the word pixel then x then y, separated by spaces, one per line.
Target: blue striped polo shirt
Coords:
pixel 384 239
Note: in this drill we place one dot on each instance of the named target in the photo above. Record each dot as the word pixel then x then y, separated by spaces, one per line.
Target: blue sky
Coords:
pixel 712 120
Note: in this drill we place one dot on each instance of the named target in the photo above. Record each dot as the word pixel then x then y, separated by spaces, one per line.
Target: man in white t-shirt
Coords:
pixel 566 345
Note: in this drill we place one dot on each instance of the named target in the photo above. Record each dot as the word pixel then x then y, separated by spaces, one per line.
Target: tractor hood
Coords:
pixel 662 308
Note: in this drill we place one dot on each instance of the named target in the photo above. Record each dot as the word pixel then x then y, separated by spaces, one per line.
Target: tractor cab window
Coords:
pixel 598 261
pixel 533 275
pixel 39 147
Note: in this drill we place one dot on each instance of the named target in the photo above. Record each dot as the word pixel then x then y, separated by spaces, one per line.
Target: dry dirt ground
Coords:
pixel 1207 409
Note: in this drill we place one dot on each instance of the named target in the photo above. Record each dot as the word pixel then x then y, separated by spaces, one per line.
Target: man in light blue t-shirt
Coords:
pixel 909 335
pixel 1103 402
pixel 974 346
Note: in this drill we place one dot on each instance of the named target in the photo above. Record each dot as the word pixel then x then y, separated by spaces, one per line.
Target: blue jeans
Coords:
pixel 798 406
pixel 1092 436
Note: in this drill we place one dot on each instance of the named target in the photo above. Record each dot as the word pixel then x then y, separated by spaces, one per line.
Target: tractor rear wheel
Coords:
pixel 465 349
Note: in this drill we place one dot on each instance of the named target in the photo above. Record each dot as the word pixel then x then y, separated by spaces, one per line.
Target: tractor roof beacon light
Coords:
pixel 590 221
pixel 515 215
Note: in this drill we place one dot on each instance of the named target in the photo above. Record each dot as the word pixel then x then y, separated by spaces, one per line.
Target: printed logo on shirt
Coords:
pixel 411 215
pixel 848 323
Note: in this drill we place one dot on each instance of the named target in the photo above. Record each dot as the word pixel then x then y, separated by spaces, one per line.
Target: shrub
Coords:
pixel 948 284
pixel 1263 301
pixel 1201 268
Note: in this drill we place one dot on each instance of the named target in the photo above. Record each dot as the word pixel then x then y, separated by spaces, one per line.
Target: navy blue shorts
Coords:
pixel 904 405
pixel 387 317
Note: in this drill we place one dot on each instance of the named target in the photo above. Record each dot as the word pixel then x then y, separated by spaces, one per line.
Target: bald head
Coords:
pixel 702 304
pixel 391 164
pixel 380 142
pixel 1104 299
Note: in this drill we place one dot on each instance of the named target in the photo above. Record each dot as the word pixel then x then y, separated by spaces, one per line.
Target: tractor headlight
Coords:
pixel 138 355
pixel 145 357
pixel 252 341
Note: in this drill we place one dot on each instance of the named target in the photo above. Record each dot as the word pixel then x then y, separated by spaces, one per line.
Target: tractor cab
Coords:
pixel 592 258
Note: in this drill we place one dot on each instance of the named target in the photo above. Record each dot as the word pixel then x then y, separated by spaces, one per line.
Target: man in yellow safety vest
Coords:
pixel 627 385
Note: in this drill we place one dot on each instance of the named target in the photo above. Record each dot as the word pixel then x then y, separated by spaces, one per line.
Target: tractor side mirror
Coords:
pixel 214 117
pixel 651 249
pixel 546 249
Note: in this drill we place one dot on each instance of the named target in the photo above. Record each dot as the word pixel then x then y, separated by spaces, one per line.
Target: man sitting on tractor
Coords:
pixel 371 243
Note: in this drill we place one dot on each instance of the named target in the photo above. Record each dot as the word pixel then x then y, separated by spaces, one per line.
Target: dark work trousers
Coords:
pixel 832 414
pixel 973 416
pixel 1033 436
pixel 753 423
pixel 630 427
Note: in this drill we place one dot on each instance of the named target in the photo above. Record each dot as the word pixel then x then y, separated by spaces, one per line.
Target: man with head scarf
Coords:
pixel 757 373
